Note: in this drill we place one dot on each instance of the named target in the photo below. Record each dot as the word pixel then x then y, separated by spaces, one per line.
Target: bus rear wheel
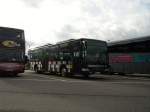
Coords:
pixel 15 74
pixel 64 72
pixel 12 74
pixel 36 68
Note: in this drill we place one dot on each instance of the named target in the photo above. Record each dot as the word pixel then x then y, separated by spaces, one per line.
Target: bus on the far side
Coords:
pixel 82 56
pixel 130 56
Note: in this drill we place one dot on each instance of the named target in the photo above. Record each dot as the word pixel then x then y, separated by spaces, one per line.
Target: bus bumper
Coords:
pixel 12 67
pixel 97 68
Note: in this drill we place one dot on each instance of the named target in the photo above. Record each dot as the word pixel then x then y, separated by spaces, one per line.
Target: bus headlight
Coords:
pixel 85 69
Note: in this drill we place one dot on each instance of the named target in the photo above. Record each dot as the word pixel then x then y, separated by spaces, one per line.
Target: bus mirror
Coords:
pixel 26 59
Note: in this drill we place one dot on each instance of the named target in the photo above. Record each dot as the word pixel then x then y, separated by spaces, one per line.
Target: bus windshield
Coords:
pixel 96 54
pixel 11 39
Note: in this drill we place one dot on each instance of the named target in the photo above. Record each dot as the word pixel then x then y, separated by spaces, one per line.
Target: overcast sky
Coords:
pixel 49 21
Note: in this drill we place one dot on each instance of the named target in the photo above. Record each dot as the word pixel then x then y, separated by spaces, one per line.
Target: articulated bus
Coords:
pixel 12 50
pixel 130 56
pixel 82 56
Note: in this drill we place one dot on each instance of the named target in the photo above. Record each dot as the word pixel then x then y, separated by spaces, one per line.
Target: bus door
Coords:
pixel 83 53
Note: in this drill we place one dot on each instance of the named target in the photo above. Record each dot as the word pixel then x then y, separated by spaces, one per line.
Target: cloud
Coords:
pixel 33 3
pixel 113 20
pixel 67 32
pixel 49 21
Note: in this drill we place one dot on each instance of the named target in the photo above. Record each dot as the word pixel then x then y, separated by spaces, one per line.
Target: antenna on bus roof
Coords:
pixel 61 42
pixel 43 46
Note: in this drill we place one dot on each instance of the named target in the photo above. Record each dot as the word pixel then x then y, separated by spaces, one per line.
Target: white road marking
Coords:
pixel 50 80
pixel 77 81
pixel 46 79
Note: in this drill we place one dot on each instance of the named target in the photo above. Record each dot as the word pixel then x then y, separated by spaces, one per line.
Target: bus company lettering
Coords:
pixel 121 59
pixel 128 58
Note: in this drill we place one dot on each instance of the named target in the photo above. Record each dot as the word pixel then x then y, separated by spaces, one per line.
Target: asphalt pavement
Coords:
pixel 31 92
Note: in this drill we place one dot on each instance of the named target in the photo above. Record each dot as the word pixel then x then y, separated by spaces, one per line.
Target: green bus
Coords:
pixel 82 56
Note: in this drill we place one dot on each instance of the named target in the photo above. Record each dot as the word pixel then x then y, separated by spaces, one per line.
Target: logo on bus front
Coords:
pixel 9 43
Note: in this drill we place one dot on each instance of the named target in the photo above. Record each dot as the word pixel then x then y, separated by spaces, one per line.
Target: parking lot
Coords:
pixel 31 92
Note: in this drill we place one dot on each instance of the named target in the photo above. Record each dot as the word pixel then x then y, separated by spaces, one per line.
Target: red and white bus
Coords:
pixel 12 50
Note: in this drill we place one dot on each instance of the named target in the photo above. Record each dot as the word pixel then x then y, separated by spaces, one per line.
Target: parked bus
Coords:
pixel 82 56
pixel 130 56
pixel 12 50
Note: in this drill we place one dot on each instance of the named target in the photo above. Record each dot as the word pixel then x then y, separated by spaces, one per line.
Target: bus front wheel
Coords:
pixel 64 72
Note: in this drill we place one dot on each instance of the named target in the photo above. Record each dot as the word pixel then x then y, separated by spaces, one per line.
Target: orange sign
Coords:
pixel 9 43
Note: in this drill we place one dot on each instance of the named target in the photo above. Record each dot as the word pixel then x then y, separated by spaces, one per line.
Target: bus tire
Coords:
pixel 36 69
pixel 110 71
pixel 64 71
pixel 14 74
pixel 86 74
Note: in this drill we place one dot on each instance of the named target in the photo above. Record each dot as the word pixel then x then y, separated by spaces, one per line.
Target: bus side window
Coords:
pixel 67 55
pixel 61 55
pixel 76 54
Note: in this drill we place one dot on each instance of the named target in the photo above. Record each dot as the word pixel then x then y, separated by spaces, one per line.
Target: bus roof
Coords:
pixel 130 41
pixel 40 47
pixel 72 40
pixel 8 28
pixel 62 42
pixel 92 39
